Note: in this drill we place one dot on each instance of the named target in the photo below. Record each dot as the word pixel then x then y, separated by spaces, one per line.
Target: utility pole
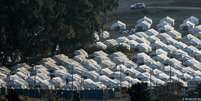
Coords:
pixel 120 85
pixel 150 78
pixel 35 73
pixel 170 73
pixel 72 70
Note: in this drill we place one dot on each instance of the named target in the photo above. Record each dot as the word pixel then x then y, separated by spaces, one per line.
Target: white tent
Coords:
pixel 161 51
pixel 73 85
pixel 50 66
pixel 108 82
pixel 192 40
pixel 21 65
pixel 164 36
pixel 145 18
pixel 81 52
pixel 169 20
pixel 193 51
pixel 48 60
pixel 60 73
pixel 105 62
pixel 192 19
pixel 125 46
pixel 143 26
pixel 37 81
pixel 117 75
pixel 122 39
pixel 180 55
pixel 2 83
pixel 96 36
pixel 187 26
pixel 93 75
pixel 156 81
pixel 158 44
pixel 174 63
pixel 60 58
pixel 71 65
pixel 165 28
pixel 79 58
pixel 138 39
pixel 132 72
pixel 151 32
pixel 100 45
pixel 4 70
pixel 118 57
pixel 144 68
pixel 132 80
pixel 188 70
pixel 90 84
pixel 3 76
pixel 106 71
pixel 143 77
pixel 143 58
pixel 198 35
pixel 18 84
pixel 161 24
pixel 118 25
pixel 170 48
pixel 99 53
pixel 111 43
pixel 197 73
pixel 130 64
pixel 142 47
pixel 22 75
pixel 133 44
pixel 104 34
pixel 179 45
pixel 40 69
pixel 196 29
pixel 58 82
pixel 125 84
pixel 193 63
pixel 160 74
pixel 175 34
pixel 187 76
pixel 90 64
pixel 43 76
pixel 142 34
pixel 162 58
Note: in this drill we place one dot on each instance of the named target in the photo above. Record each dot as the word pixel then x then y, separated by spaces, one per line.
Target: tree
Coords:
pixel 139 92
pixel 195 93
pixel 171 91
pixel 31 29
pixel 12 96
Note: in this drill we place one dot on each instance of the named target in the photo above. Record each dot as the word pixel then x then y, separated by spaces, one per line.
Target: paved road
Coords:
pixel 124 6
pixel 176 8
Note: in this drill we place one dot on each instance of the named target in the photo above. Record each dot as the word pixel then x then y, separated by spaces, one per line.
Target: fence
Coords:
pixel 84 94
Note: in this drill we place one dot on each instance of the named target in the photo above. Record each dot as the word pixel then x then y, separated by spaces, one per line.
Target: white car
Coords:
pixel 138 6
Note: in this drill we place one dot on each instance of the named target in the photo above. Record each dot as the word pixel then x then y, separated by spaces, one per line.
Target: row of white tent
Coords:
pixel 48 74
pixel 158 57
pixel 165 24
pixel 185 50
pixel 105 77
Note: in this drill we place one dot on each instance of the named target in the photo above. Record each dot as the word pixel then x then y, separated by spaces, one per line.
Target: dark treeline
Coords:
pixel 31 29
